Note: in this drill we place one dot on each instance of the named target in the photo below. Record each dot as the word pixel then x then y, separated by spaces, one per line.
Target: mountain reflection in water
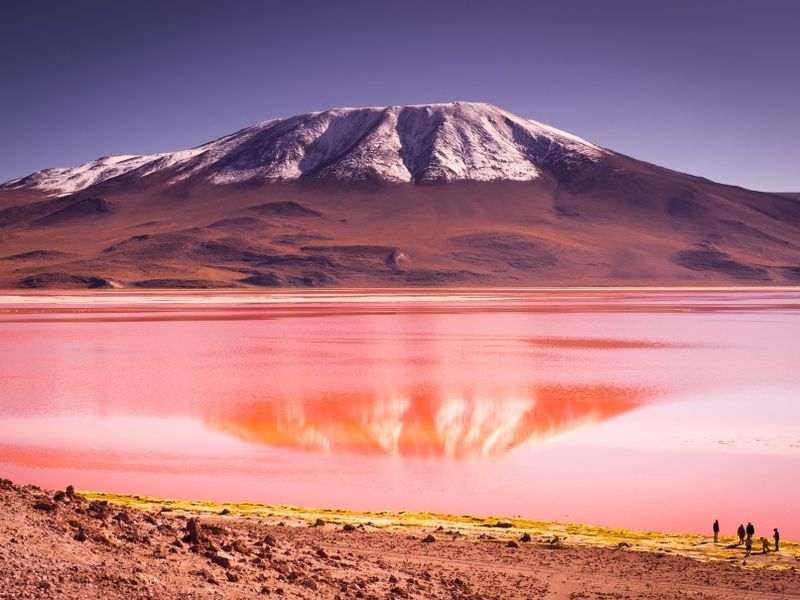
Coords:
pixel 429 424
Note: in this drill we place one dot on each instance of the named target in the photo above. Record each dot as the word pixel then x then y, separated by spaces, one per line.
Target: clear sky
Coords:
pixel 709 87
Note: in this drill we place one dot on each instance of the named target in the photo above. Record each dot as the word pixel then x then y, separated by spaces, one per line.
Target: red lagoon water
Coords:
pixel 656 410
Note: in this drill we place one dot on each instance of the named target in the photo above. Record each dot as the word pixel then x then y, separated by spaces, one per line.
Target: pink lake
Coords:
pixel 656 410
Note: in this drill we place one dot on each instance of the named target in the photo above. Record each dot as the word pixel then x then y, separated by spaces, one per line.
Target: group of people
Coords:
pixel 746 535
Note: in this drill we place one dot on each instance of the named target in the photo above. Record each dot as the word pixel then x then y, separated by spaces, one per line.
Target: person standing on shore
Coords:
pixel 777 537
pixel 751 531
pixel 740 532
pixel 716 530
pixel 748 545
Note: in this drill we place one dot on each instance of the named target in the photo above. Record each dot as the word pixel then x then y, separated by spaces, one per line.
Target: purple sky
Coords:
pixel 706 87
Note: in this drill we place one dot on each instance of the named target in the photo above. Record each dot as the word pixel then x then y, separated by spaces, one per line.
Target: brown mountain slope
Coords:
pixel 640 231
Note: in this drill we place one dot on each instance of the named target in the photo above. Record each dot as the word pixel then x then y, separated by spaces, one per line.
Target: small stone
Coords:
pixel 222 558
pixel 429 539
pixel 392 579
pixel 348 527
pixel 45 505
pixel 194 531
pixel 102 538
pixel 319 523
pixel 321 553
pixel 512 544
pixel 232 576
pixel 123 517
pixel 526 537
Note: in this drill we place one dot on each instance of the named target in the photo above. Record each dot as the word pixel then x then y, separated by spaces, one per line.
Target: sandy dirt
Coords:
pixel 71 545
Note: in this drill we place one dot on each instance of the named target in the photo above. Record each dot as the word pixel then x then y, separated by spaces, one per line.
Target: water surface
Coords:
pixel 659 409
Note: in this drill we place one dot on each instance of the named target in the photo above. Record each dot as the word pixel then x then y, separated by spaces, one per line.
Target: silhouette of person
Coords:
pixel 764 545
pixel 740 532
pixel 716 530
pixel 751 531
pixel 748 545
pixel 777 537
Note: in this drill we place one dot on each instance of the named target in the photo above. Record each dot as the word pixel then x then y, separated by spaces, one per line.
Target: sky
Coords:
pixel 708 87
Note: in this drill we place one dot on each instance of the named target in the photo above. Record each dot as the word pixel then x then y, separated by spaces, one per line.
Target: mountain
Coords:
pixel 398 144
pixel 440 194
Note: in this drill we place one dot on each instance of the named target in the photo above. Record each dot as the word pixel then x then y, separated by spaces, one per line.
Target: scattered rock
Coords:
pixel 102 538
pixel 429 539
pixel 123 517
pixel 526 537
pixel 194 531
pixel 222 558
pixel 348 527
pixel 319 523
pixel 46 505
pixel 512 544
pixel 232 576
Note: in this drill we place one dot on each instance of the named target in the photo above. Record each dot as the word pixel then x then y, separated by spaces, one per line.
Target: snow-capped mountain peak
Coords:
pixel 455 141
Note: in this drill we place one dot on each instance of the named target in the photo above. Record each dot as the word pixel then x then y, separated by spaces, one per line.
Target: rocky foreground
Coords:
pixel 67 545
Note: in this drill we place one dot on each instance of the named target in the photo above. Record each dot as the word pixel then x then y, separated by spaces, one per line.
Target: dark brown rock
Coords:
pixel 46 505
pixel 222 558
pixel 194 531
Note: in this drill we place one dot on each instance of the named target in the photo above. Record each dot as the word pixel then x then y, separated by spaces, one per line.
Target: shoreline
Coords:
pixel 74 545
pixel 501 529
